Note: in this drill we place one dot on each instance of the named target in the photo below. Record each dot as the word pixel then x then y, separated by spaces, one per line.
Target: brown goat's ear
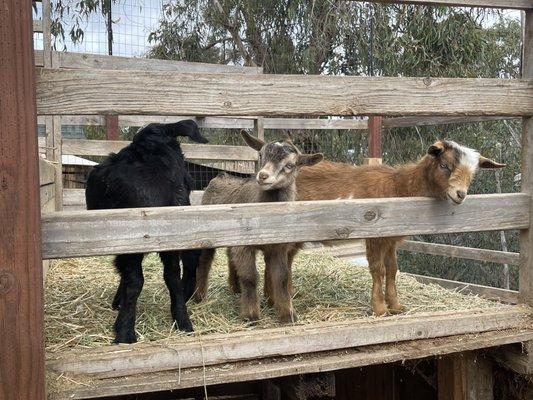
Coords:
pixel 309 159
pixel 436 149
pixel 252 141
pixel 487 163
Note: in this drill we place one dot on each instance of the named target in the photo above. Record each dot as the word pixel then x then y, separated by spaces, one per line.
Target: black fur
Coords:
pixel 150 172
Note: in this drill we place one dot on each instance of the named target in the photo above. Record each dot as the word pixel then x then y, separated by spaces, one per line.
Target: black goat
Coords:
pixel 150 172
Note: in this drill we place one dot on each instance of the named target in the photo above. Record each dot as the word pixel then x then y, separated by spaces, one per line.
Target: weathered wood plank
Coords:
pixel 514 359
pixel 488 292
pixel 100 61
pixel 46 172
pixel 21 278
pixel 270 368
pixel 507 4
pixel 401 122
pixel 37 26
pixel 116 361
pixel 86 92
pixel 99 232
pixel 494 256
pixel 83 147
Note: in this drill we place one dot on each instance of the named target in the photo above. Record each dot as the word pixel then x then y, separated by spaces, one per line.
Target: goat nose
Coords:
pixel 263 175
pixel 461 194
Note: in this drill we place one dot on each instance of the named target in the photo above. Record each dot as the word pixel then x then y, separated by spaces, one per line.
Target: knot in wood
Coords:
pixel 7 280
pixel 343 232
pixel 427 81
pixel 227 104
pixel 370 215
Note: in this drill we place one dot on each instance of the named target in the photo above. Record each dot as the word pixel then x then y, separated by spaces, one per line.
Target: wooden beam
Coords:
pixel 170 354
pixel 37 26
pixel 402 122
pixel 87 92
pixel 111 127
pixel 374 136
pixel 514 358
pixel 506 4
pixel 83 147
pixel 437 249
pixel 46 172
pixel 108 62
pixel 100 232
pixel 465 376
pixel 21 278
pixel 488 292
pixel 270 368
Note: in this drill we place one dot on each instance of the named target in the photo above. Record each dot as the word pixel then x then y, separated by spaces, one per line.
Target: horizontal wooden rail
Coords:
pixel 83 147
pixel 508 4
pixel 115 361
pixel 88 92
pixel 437 249
pixel 488 292
pixel 88 233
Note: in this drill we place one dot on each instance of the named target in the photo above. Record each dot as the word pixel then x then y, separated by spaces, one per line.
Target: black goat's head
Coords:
pixel 280 161
pixel 153 135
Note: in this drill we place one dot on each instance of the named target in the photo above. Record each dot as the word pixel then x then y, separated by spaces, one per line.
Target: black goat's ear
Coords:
pixel 436 149
pixel 186 127
pixel 252 141
pixel 309 159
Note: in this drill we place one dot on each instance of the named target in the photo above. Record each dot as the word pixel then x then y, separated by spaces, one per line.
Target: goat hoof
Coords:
pixel 398 309
pixel 199 297
pixel 125 337
pixel 289 319
pixel 185 326
pixel 380 311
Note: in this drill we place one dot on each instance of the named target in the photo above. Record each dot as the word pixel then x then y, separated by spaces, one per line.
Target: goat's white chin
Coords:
pixel 454 200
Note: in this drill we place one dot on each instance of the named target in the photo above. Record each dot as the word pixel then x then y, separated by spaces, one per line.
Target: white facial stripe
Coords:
pixel 469 157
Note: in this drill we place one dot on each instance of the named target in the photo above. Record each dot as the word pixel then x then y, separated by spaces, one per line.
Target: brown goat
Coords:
pixel 276 181
pixel 445 172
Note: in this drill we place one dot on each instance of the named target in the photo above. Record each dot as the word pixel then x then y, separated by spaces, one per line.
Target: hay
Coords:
pixel 79 292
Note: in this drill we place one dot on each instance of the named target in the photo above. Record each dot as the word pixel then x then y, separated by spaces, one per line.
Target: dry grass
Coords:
pixel 79 293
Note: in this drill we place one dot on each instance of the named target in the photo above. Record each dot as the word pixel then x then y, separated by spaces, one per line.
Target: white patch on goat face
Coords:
pixel 468 157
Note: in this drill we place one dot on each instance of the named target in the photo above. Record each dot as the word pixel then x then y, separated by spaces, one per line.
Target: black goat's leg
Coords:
pixel 171 273
pixel 190 260
pixel 132 280
pixel 118 295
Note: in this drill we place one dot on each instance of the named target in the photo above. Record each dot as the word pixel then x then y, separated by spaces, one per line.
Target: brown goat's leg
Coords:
pixel 391 266
pixel 233 279
pixel 276 262
pixel 244 261
pixel 374 255
pixel 202 274
pixel 293 250
pixel 268 287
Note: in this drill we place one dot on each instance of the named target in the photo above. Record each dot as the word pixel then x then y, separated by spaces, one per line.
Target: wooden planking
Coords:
pixel 37 26
pixel 87 92
pixel 513 358
pixel 100 61
pixel 83 147
pixel 276 367
pixel 494 256
pixel 507 4
pixel 488 292
pixel 401 122
pixel 21 277
pixel 75 198
pixel 115 361
pixel 46 172
pixel 100 232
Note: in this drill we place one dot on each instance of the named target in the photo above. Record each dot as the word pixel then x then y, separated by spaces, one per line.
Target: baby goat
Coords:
pixel 445 172
pixel 150 172
pixel 280 162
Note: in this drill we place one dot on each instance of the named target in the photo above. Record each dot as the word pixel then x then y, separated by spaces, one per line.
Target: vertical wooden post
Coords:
pixel 111 127
pixel 526 236
pixel 21 290
pixel 259 130
pixel 464 376
pixel 374 141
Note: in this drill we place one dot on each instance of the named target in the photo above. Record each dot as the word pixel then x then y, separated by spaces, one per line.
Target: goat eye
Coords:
pixel 445 166
pixel 289 166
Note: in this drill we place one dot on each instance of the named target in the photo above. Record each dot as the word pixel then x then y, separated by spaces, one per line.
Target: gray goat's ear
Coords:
pixel 309 159
pixel 252 141
pixel 487 163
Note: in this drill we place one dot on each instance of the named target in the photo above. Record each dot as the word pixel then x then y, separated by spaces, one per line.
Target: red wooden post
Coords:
pixel 21 275
pixel 111 126
pixel 374 141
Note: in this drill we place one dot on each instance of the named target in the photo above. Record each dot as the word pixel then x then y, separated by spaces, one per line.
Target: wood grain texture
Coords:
pixel 100 61
pixel 401 122
pixel 488 292
pixel 21 277
pixel 83 147
pixel 269 368
pixel 506 4
pixel 513 358
pixel 116 361
pixel 37 26
pixel 100 232
pixel 87 92
pixel 46 172
pixel 446 250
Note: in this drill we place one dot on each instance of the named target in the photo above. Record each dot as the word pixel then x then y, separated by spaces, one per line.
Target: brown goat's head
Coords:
pixel 453 167
pixel 279 160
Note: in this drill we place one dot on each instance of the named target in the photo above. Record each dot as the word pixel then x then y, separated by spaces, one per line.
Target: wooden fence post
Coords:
pixel 374 141
pixel 21 285
pixel 259 130
pixel 111 127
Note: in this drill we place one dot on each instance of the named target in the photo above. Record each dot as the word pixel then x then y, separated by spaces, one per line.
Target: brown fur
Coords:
pixel 274 182
pixel 439 174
